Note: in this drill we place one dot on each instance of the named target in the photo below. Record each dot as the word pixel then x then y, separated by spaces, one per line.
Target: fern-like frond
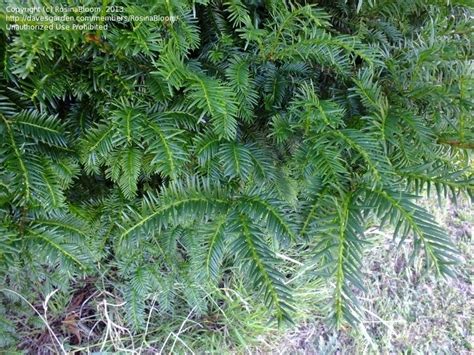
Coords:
pixel 56 249
pixel 408 217
pixel 370 92
pixel 96 145
pixel 348 261
pixel 238 13
pixel 135 307
pixel 41 127
pixel 167 147
pixel 315 114
pixel 424 177
pixel 128 118
pixel 130 162
pixel 189 200
pixel 262 205
pixel 206 149
pixel 369 149
pixel 238 76
pixel 20 168
pixel 216 100
pixel 251 248
pixel 215 246
pixel 236 160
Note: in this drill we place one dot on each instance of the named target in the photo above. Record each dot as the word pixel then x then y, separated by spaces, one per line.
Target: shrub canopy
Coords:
pixel 163 156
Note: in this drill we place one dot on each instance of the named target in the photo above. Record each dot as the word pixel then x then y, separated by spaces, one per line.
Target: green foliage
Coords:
pixel 158 159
